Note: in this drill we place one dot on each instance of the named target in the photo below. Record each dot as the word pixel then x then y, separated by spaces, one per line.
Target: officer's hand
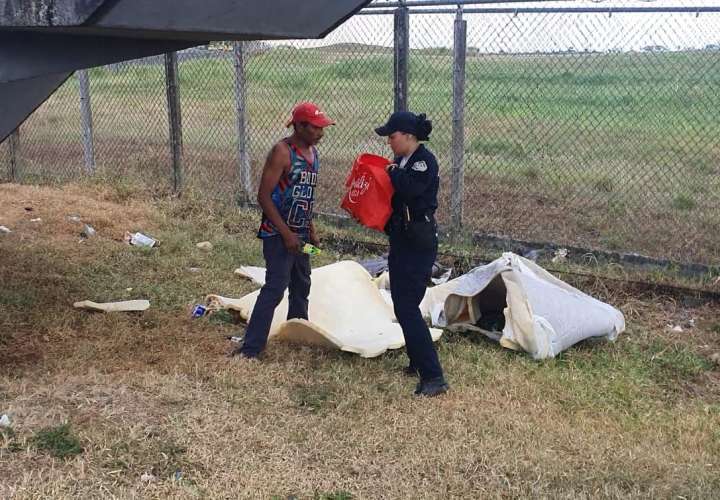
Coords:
pixel 293 243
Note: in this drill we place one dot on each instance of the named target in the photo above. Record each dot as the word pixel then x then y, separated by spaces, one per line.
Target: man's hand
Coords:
pixel 313 236
pixel 293 243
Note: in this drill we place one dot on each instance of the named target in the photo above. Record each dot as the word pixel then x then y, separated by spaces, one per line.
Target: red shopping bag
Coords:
pixel 369 191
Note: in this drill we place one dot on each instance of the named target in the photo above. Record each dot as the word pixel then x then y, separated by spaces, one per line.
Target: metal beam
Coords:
pixel 43 41
pixel 445 3
pixel 557 10
pixel 19 99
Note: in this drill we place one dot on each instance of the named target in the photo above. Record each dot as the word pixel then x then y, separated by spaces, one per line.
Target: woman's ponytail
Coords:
pixel 424 127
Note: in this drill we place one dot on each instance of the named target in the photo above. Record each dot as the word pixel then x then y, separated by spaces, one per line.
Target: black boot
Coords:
pixel 432 387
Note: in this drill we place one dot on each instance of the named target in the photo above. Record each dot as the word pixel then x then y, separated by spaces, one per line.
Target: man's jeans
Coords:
pixel 283 270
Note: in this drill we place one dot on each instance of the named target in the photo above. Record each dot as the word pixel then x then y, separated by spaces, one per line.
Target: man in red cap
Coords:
pixel 286 196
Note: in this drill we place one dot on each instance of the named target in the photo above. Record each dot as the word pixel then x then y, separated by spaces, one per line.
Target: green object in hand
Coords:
pixel 311 249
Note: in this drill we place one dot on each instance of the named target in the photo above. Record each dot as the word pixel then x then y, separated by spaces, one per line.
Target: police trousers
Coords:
pixel 410 266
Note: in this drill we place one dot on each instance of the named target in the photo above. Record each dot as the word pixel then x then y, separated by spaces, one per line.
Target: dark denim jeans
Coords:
pixel 284 271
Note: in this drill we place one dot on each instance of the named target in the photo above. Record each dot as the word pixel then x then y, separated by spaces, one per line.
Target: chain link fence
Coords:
pixel 590 127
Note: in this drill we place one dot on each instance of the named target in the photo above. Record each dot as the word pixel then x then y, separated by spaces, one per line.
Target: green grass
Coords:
pixel 58 441
pixel 154 394
pixel 684 202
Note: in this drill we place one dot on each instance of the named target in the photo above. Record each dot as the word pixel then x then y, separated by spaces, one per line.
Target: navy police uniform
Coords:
pixel 413 248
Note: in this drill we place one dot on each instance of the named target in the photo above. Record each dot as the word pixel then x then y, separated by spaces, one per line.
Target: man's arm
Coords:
pixel 275 164
pixel 314 239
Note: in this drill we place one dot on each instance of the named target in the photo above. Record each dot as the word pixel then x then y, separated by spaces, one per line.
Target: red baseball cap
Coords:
pixel 309 112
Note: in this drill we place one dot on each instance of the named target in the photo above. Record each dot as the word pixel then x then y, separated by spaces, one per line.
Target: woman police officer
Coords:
pixel 413 240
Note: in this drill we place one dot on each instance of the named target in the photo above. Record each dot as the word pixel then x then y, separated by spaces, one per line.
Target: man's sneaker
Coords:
pixel 433 387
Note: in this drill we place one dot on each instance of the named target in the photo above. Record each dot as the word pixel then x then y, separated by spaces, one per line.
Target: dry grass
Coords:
pixel 154 394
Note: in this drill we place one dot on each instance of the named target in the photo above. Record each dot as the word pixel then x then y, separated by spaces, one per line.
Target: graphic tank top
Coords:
pixel 294 195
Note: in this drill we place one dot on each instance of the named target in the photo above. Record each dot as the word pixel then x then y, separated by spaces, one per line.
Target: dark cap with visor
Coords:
pixel 400 121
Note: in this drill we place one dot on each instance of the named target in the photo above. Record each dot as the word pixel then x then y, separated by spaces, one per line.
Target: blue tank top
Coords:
pixel 294 195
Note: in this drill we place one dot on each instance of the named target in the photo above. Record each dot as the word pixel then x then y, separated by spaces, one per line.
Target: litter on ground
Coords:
pixel 140 240
pixel 88 231
pixel 123 306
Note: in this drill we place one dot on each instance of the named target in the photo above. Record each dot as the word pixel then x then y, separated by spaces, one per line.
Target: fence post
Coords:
pixel 458 121
pixel 14 145
pixel 87 125
pixel 174 118
pixel 401 55
pixel 241 110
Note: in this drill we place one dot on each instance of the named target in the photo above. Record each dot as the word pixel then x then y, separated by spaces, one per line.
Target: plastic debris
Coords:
pixel 532 255
pixel 37 219
pixel 234 338
pixel 194 269
pixel 379 265
pixel 198 311
pixel 5 230
pixel 74 218
pixel 88 231
pixel 205 245
pixel 141 240
pixel 147 478
pixel 560 255
pixel 677 329
pixel 4 421
pixel 375 266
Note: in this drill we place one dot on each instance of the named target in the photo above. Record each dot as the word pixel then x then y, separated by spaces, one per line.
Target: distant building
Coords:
pixel 654 48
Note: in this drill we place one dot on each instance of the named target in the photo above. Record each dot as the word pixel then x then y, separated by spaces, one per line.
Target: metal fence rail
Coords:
pixel 593 126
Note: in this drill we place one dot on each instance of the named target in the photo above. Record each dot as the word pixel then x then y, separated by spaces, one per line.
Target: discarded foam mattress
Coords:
pixel 537 312
pixel 346 312
pixel 255 274
pixel 124 306
pixel 431 306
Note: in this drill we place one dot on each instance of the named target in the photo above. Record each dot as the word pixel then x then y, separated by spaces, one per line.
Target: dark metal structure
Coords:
pixel 42 42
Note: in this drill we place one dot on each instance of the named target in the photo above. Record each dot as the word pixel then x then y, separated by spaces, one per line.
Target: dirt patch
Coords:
pixel 33 212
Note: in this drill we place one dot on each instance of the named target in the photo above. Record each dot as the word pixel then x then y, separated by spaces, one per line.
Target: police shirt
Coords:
pixel 416 184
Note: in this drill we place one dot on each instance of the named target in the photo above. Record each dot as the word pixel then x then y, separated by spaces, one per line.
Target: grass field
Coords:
pixel 147 405
pixel 608 151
